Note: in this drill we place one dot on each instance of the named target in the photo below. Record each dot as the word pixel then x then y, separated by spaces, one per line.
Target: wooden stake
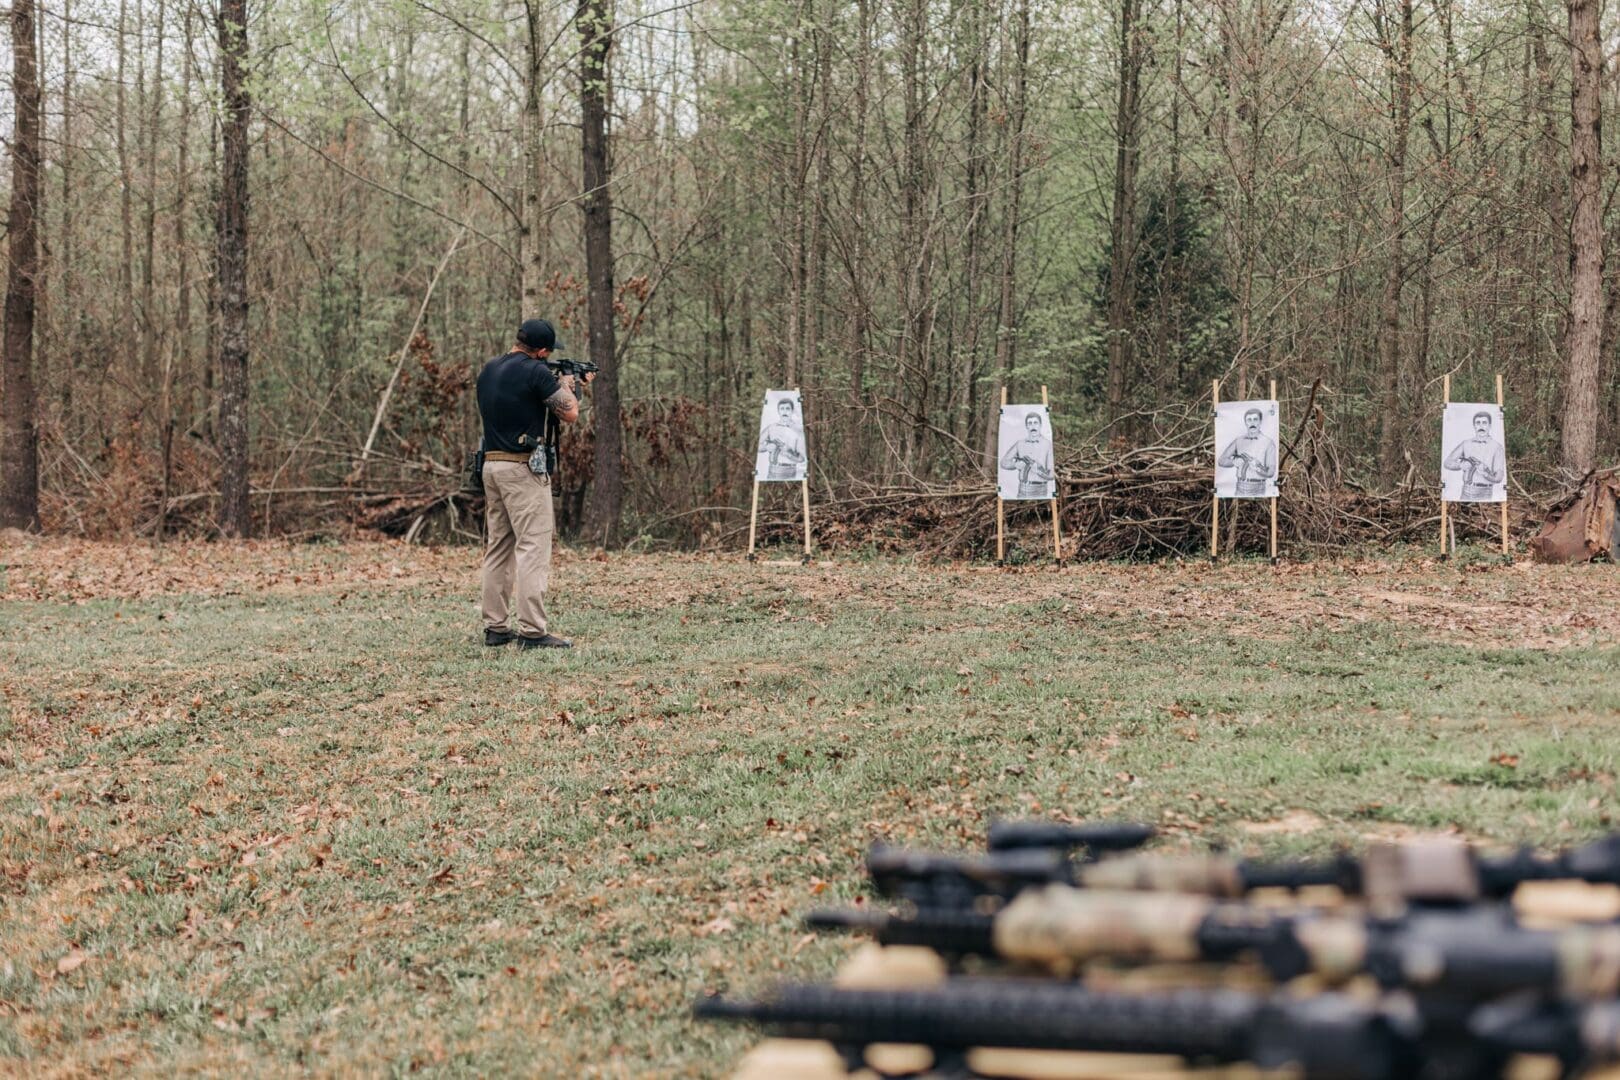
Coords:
pixel 1501 403
pixel 804 486
pixel 753 518
pixel 1278 478
pixel 804 483
pixel 1057 528
pixel 1444 524
pixel 1001 515
pixel 1215 500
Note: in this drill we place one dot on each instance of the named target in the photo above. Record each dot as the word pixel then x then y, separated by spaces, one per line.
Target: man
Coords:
pixel 1481 461
pixel 518 396
pixel 1254 455
pixel 784 442
pixel 1032 457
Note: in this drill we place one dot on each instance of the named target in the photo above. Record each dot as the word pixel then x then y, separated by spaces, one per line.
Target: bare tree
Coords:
pixel 232 243
pixel 19 438
pixel 1581 405
pixel 531 252
pixel 1122 232
pixel 1014 191
pixel 1394 35
pixel 594 20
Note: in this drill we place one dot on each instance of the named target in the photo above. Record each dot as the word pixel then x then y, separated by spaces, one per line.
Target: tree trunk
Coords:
pixel 1396 43
pixel 234 511
pixel 149 144
pixel 817 242
pixel 42 225
pixel 531 252
pixel 126 183
pixel 179 356
pixel 917 255
pixel 977 205
pixel 855 440
pixel 19 430
pixel 796 191
pixel 594 20
pixel 1005 343
pixel 1167 333
pixel 1122 233
pixel 71 317
pixel 1579 436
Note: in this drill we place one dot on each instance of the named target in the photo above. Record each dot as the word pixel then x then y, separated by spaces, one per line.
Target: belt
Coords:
pixel 504 455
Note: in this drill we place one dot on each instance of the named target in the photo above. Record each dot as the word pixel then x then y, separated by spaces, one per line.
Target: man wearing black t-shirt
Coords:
pixel 518 396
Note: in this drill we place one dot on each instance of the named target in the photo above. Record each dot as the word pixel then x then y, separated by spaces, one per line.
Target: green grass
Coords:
pixel 278 825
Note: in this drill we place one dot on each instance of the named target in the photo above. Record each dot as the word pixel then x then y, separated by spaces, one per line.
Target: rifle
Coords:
pixel 1326 1037
pixel 550 439
pixel 1023 854
pixel 1441 871
pixel 1579 1035
pixel 932 880
pixel 1059 928
pixel 561 365
pixel 1468 955
pixel 1096 838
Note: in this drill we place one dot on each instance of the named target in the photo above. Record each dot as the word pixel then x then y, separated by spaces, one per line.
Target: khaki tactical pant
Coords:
pixel 519 520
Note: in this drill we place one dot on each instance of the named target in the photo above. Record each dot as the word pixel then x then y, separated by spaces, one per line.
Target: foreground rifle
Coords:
pixel 1467 955
pixel 1326 1037
pixel 1430 871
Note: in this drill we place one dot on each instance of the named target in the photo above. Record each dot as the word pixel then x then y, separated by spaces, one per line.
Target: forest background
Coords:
pixel 257 252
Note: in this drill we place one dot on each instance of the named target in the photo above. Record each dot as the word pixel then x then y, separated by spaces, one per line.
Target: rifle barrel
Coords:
pixel 1328 1037
pixel 1094 837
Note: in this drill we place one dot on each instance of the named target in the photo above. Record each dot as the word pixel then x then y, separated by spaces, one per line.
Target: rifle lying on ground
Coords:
pixel 1326 1037
pixel 1023 854
pixel 1097 838
pixel 1472 952
pixel 1436 870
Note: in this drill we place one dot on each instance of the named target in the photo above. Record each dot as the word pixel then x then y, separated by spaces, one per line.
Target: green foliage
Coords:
pixel 1181 321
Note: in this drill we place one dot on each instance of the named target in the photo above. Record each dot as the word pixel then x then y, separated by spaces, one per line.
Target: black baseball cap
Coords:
pixel 538 334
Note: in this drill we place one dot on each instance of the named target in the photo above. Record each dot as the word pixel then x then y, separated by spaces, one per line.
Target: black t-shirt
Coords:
pixel 512 395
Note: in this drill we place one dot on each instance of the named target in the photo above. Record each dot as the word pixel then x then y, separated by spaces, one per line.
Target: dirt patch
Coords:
pixel 1293 823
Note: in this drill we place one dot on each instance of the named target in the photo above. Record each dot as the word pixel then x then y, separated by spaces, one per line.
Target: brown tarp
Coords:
pixel 1584 525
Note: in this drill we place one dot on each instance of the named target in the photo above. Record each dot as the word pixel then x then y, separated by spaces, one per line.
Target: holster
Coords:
pixel 474 480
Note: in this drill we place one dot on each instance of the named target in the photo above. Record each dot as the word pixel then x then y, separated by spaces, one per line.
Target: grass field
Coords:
pixel 272 808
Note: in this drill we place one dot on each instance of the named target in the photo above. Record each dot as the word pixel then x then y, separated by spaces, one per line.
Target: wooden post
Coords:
pixel 1001 510
pixel 753 518
pixel 1445 394
pixel 1057 528
pixel 1501 403
pixel 1278 479
pixel 804 483
pixel 1215 499
pixel 804 486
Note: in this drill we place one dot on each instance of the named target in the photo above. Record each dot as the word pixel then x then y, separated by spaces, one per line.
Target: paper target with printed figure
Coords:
pixel 1246 457
pixel 1473 461
pixel 1027 464
pixel 781 454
